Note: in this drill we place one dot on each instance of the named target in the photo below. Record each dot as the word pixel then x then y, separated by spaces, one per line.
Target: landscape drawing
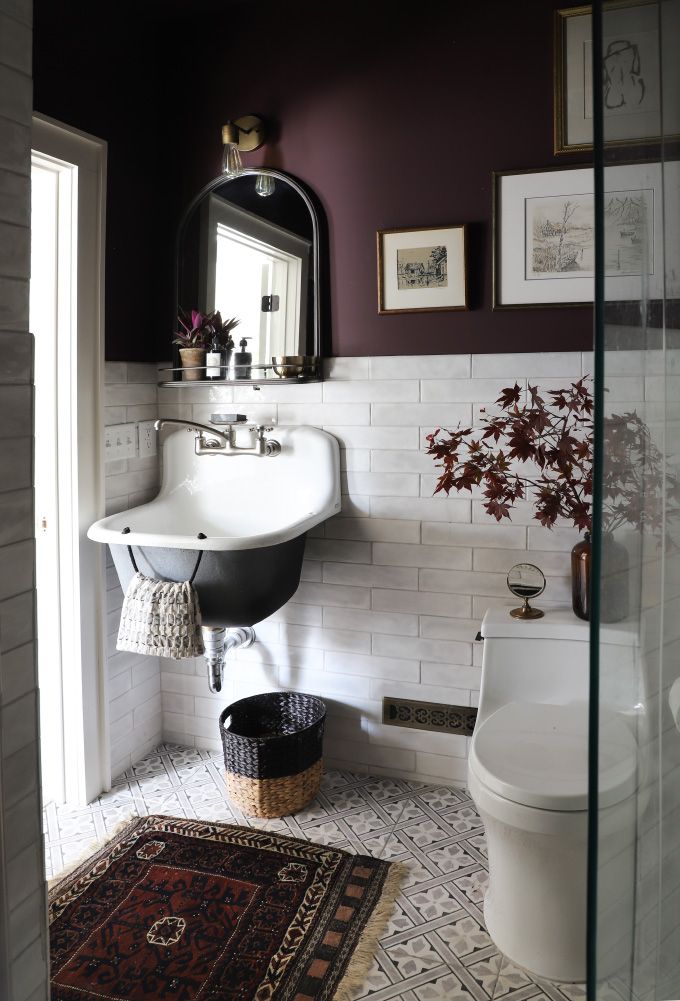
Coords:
pixel 629 232
pixel 560 235
pixel 422 267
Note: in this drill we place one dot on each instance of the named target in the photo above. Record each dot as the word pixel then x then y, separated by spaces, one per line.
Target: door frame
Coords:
pixel 87 763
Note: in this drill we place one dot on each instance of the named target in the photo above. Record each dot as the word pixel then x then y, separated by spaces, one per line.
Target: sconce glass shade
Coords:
pixel 265 185
pixel 232 165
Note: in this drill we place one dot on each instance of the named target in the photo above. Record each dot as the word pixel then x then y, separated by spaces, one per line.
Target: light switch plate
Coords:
pixel 120 442
pixel 148 439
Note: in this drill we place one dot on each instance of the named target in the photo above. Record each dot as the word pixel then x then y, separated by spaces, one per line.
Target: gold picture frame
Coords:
pixel 629 30
pixel 422 269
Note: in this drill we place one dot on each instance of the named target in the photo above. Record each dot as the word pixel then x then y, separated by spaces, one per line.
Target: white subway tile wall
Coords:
pixel 133 681
pixel 393 588
pixel 23 935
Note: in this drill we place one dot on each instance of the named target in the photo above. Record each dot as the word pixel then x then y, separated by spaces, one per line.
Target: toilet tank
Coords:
pixel 543 660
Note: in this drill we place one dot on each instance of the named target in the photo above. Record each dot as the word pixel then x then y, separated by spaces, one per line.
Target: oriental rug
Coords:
pixel 177 910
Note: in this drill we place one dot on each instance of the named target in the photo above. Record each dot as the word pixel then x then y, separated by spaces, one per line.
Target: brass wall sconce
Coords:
pixel 242 135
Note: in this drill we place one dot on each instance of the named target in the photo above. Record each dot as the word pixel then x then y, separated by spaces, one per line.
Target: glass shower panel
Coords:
pixel 634 851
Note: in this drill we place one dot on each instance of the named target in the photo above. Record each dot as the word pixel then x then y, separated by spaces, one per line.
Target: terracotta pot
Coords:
pixel 193 360
pixel 581 559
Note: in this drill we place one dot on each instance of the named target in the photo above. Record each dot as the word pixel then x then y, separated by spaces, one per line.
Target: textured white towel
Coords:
pixel 161 618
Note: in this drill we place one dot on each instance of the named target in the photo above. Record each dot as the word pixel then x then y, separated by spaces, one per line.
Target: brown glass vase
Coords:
pixel 581 559
pixel 614 602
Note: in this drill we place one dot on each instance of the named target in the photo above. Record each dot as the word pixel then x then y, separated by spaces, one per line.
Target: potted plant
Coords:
pixel 193 338
pixel 220 333
pixel 554 442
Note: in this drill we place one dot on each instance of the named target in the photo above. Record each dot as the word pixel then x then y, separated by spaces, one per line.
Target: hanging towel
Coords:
pixel 160 618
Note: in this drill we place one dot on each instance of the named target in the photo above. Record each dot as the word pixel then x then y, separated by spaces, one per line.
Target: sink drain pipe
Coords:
pixel 217 641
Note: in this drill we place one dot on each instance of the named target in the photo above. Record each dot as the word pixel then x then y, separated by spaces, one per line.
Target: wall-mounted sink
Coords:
pixel 254 512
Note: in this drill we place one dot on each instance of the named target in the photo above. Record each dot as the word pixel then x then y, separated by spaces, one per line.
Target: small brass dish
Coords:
pixel 288 366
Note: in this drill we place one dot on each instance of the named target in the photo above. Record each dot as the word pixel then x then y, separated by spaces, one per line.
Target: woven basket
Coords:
pixel 273 747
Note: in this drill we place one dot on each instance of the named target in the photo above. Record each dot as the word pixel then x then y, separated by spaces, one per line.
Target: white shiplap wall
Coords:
pixel 133 681
pixel 23 934
pixel 393 588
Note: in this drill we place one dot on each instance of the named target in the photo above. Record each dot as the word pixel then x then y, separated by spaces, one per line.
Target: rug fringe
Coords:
pixel 92 847
pixel 364 953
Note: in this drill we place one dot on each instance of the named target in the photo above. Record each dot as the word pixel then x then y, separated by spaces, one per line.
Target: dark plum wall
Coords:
pixel 394 114
pixel 101 71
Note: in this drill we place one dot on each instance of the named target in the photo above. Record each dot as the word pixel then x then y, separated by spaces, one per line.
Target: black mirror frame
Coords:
pixel 316 259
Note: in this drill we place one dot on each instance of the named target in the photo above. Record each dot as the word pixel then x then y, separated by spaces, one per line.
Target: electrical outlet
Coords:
pixel 148 439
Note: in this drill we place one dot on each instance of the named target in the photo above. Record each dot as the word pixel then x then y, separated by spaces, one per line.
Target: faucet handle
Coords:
pixel 228 418
pixel 262 428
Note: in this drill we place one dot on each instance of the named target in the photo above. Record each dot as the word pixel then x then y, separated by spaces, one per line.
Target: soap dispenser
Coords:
pixel 213 359
pixel 243 360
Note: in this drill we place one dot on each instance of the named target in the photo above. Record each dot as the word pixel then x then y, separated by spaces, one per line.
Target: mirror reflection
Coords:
pixel 247 248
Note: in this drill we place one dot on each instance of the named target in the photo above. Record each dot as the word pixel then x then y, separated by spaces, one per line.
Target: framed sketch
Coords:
pixel 630 74
pixel 544 235
pixel 422 270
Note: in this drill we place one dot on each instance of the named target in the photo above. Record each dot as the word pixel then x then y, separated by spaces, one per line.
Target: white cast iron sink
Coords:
pixel 253 511
pixel 237 501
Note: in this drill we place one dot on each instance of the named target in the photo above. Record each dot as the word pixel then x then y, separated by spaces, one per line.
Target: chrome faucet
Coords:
pixel 211 441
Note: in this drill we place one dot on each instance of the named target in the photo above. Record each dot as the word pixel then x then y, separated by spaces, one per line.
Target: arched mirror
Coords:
pixel 248 247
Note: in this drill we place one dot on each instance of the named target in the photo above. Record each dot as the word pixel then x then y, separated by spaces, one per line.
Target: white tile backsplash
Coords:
pixel 394 587
pixel 133 681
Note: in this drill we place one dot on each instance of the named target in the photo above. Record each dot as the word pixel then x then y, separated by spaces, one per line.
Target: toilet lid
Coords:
pixel 537 754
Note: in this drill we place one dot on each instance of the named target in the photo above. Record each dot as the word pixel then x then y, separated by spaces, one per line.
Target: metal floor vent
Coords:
pixel 429 716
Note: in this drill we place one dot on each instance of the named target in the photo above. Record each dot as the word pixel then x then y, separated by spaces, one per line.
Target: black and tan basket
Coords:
pixel 273 746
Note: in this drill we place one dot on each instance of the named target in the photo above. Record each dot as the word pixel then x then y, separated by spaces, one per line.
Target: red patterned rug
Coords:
pixel 176 910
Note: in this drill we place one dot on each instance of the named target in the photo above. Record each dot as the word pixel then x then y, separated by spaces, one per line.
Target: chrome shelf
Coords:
pixel 182 383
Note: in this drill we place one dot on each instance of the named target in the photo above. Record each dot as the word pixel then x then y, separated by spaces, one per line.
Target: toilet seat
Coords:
pixel 536 755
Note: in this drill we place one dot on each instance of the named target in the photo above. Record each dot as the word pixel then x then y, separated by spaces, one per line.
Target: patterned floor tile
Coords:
pixel 442 989
pixel 464 937
pixel 402 810
pixel 510 978
pixel 399 921
pixel 414 955
pixel 486 973
pixel 365 822
pixel 463 819
pixel 441 798
pixel 382 789
pixel 426 833
pixel 451 858
pixel 434 902
pixel 473 885
pixel 434 948
pixel 376 980
pixel 385 846
pixel 478 841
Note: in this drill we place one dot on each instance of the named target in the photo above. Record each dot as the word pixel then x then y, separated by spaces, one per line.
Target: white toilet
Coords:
pixel 528 776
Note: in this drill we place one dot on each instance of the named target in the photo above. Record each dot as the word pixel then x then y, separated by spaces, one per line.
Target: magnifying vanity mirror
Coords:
pixel 526 581
pixel 248 247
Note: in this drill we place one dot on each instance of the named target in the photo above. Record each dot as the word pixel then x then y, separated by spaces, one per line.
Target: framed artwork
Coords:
pixel 422 270
pixel 630 74
pixel 544 235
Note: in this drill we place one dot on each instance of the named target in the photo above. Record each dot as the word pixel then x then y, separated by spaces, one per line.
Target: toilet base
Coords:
pixel 535 907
